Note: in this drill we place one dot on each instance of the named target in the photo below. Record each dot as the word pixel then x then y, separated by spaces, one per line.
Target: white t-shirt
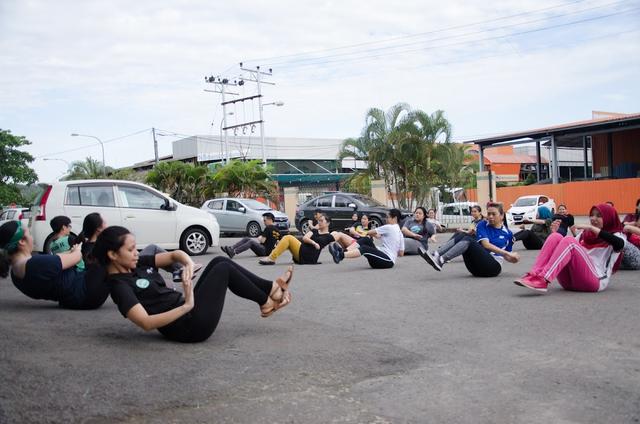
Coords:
pixel 603 259
pixel 392 240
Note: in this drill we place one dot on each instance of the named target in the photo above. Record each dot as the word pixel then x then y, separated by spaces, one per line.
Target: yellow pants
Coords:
pixel 289 243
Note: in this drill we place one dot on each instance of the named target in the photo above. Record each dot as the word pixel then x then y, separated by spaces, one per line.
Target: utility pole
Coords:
pixel 155 145
pixel 255 77
pixel 220 84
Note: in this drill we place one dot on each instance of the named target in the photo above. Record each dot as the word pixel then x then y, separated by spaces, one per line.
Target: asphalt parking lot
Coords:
pixel 355 345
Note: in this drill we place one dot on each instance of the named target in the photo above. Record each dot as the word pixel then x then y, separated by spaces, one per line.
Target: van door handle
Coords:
pixel 130 216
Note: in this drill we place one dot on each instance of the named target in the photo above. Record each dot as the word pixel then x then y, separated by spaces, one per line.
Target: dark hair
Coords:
pixel 90 225
pixel 58 222
pixel 110 240
pixel 326 217
pixel 317 211
pixel 7 230
pixel 395 213
pixel 478 207
pixel 269 215
pixel 424 211
pixel 500 207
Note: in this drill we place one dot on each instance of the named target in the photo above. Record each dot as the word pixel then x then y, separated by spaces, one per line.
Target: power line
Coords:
pixel 321 59
pixel 111 140
pixel 363 56
pixel 418 34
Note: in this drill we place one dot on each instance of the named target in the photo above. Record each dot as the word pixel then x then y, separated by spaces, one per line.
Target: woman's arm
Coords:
pixel 512 257
pixel 631 228
pixel 167 258
pixel 308 240
pixel 410 234
pixel 72 257
pixel 139 316
pixel 616 242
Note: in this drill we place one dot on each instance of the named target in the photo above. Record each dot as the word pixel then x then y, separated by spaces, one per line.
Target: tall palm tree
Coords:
pixel 88 169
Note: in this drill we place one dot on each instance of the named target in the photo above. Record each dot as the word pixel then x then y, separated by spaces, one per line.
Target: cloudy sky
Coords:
pixel 115 69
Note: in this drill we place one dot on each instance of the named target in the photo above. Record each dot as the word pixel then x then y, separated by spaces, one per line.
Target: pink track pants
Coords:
pixel 564 258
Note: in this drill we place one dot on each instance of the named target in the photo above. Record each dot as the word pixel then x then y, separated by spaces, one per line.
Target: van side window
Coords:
pixel 90 196
pixel 451 210
pixel 139 198
pixel 466 210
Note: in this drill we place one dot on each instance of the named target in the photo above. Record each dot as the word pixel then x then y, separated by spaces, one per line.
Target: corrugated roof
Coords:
pixel 612 121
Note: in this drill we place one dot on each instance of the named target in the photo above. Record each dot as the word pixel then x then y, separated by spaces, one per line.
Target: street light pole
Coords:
pixel 61 160
pixel 104 170
pixel 261 107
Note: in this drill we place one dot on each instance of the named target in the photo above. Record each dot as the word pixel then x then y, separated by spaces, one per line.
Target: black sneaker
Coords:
pixel 229 251
pixel 177 276
pixel 336 252
pixel 431 260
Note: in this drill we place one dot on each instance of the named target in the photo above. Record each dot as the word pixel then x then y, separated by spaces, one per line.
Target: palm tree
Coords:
pixel 187 183
pixel 244 179
pixel 89 169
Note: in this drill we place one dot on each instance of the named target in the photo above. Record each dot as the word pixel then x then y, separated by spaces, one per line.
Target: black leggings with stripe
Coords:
pixel 376 258
pixel 209 294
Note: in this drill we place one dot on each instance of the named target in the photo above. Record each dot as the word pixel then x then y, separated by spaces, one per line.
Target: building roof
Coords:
pixel 511 158
pixel 568 134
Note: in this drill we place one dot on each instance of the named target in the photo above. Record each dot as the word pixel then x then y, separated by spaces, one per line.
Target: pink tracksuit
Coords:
pixel 576 268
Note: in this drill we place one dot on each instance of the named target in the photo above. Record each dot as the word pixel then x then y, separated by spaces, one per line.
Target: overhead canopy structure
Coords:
pixel 614 138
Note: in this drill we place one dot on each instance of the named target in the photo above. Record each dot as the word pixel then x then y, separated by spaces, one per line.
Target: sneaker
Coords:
pixel 431 260
pixel 177 276
pixel 229 251
pixel 336 252
pixel 266 261
pixel 533 282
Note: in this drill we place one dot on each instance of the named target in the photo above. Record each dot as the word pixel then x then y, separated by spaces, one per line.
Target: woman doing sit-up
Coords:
pixel 585 263
pixel 143 297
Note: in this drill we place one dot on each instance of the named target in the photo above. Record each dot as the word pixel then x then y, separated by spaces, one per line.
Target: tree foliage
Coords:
pixel 88 169
pixel 14 167
pixel 244 179
pixel 411 151
pixel 185 182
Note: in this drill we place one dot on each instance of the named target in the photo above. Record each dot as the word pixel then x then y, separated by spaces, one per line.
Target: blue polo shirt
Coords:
pixel 499 237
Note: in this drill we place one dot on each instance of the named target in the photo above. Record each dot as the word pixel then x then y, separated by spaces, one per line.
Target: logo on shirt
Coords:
pixel 142 283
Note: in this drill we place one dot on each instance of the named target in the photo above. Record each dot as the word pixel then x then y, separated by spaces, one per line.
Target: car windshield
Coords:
pixel 368 201
pixel 255 205
pixel 526 201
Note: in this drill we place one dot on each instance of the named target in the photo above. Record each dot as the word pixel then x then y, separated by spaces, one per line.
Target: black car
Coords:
pixel 340 208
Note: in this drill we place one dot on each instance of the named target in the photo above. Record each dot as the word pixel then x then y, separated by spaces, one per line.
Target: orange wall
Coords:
pixel 579 196
pixel 626 148
pixel 506 168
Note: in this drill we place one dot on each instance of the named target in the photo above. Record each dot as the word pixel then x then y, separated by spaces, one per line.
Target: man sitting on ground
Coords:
pixel 261 245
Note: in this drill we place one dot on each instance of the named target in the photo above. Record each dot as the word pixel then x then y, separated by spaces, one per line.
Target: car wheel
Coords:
pixel 254 229
pixel 375 222
pixel 304 226
pixel 194 242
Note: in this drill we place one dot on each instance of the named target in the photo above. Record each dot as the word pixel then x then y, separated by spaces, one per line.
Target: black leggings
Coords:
pixel 529 239
pixel 209 294
pixel 376 258
pixel 480 262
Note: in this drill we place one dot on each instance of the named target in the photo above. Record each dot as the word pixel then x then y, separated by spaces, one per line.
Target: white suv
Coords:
pixel 153 217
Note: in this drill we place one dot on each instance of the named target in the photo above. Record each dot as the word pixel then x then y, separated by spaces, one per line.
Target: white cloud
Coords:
pixel 112 68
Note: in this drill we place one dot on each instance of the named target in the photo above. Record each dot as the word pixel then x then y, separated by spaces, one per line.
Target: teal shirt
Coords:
pixel 61 245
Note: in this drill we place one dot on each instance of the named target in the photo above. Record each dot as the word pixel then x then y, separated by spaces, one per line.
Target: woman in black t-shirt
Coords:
pixel 143 297
pixel 47 277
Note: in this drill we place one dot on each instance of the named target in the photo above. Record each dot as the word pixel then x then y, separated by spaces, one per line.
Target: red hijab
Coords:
pixel 610 223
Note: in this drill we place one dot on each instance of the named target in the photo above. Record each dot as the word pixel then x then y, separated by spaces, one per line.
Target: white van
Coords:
pixel 151 216
pixel 456 214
